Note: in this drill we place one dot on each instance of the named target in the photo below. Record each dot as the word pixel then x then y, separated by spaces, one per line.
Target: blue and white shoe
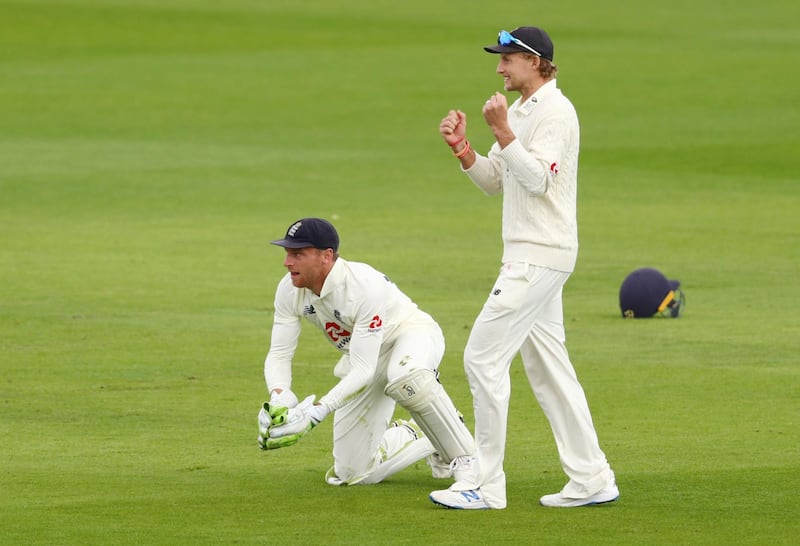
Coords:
pixel 471 499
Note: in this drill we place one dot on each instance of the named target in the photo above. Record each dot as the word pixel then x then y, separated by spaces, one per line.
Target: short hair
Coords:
pixel 547 69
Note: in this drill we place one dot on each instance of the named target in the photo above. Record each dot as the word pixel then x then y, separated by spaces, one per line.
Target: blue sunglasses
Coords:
pixel 505 38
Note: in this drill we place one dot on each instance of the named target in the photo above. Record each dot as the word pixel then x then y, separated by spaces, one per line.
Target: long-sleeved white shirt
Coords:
pixel 359 310
pixel 538 176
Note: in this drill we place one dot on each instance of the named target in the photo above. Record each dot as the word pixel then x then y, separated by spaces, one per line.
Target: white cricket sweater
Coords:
pixel 538 176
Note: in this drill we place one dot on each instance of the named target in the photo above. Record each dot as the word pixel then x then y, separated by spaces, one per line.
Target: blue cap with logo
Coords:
pixel 310 233
pixel 646 292
pixel 524 40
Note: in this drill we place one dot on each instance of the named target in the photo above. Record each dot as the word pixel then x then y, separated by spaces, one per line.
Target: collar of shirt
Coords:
pixel 335 277
pixel 527 107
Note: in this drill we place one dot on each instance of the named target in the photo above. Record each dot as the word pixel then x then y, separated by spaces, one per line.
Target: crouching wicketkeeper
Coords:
pixel 391 353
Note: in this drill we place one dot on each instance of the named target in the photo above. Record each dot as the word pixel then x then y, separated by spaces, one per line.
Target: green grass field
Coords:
pixel 149 150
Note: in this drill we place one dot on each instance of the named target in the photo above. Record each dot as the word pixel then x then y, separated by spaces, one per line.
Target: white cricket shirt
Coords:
pixel 360 312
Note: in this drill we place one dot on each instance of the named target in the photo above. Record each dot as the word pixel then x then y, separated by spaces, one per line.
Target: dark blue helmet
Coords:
pixel 646 292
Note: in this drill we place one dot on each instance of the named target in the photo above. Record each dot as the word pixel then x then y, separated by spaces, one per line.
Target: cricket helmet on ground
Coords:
pixel 646 292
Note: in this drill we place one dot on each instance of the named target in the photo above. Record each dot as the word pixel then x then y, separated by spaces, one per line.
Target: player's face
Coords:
pixel 516 70
pixel 308 267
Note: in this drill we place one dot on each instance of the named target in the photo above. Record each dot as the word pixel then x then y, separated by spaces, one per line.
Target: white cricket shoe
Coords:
pixel 465 493
pixel 471 499
pixel 556 500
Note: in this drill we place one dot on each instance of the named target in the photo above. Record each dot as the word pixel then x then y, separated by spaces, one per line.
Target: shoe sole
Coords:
pixel 596 503
pixel 592 503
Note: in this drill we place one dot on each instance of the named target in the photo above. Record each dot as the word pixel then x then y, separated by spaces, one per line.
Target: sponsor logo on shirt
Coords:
pixel 376 324
pixel 309 310
pixel 554 167
pixel 338 335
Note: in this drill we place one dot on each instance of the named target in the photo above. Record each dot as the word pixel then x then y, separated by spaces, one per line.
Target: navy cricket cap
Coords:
pixel 310 232
pixel 535 38
pixel 647 292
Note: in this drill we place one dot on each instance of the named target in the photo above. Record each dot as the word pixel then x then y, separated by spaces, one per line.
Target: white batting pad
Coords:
pixel 421 394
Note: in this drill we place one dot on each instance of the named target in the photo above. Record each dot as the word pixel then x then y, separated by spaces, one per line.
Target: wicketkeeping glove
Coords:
pixel 297 423
pixel 274 412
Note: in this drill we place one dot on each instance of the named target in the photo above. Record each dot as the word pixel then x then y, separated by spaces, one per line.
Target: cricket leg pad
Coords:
pixel 420 393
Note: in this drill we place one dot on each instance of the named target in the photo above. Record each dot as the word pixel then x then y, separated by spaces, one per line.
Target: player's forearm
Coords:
pixel 503 135
pixel 277 372
pixel 465 154
pixel 484 175
pixel 345 390
pixel 364 353
pixel 526 170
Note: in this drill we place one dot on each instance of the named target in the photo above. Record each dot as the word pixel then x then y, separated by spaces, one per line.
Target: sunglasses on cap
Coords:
pixel 505 38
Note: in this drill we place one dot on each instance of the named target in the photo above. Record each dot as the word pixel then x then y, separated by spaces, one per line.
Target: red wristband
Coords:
pixel 464 152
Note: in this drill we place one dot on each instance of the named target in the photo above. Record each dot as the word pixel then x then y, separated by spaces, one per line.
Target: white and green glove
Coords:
pixel 274 412
pixel 295 423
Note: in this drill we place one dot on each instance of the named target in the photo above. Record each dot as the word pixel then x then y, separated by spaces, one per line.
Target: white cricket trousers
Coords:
pixel 359 426
pixel 524 315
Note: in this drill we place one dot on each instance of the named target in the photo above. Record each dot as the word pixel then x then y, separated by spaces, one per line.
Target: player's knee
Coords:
pixel 353 473
pixel 474 354
pixel 414 390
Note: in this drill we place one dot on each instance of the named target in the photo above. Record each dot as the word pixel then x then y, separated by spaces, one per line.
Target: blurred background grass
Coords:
pixel 150 150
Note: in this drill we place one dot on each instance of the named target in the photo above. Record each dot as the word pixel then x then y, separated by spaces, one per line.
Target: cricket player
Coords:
pixel 390 355
pixel 534 165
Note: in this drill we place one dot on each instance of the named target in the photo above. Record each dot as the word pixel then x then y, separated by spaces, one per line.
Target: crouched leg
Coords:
pixel 420 393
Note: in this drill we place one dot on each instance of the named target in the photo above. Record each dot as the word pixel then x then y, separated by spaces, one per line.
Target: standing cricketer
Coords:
pixel 534 164
pixel 390 355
